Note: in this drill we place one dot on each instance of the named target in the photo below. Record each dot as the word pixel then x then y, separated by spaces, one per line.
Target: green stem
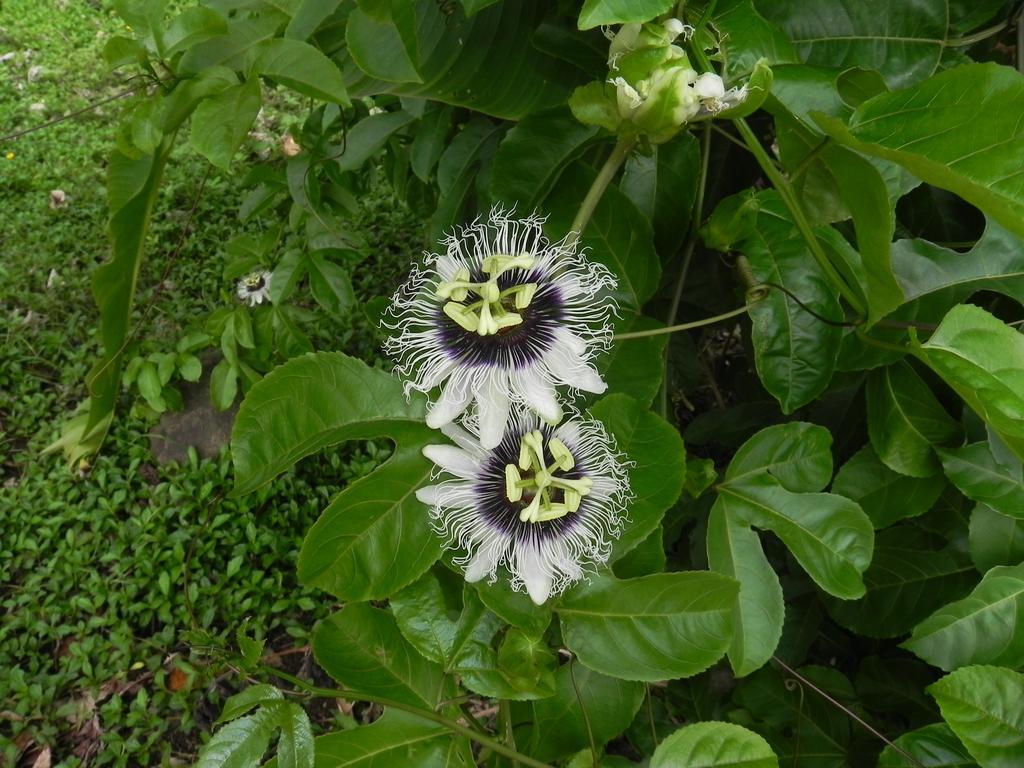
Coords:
pixel 696 214
pixel 339 693
pixel 685 326
pixel 977 37
pixel 505 714
pixel 604 177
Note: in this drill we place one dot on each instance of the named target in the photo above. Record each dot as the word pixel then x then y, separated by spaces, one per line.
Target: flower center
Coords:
pixel 254 282
pixel 534 478
pixel 491 313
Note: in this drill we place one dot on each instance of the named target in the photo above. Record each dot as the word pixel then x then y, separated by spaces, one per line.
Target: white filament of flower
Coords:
pixel 490 314
pixel 542 480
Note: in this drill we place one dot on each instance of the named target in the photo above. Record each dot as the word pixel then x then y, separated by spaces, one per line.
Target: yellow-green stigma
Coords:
pixel 540 480
pixel 490 313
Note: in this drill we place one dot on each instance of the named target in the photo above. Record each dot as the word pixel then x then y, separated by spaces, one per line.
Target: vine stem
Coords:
pixel 604 177
pixel 685 326
pixel 340 693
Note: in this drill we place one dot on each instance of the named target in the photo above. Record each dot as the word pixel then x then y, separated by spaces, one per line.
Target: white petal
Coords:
pixel 709 86
pixel 453 400
pixel 572 342
pixel 573 371
pixel 452 459
pixel 540 396
pixel 494 409
pixel 534 575
pixel 435 376
pixel 429 494
pixel 483 564
pixel 463 439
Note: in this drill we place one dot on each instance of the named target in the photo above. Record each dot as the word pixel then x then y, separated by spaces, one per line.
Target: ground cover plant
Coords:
pixel 704 408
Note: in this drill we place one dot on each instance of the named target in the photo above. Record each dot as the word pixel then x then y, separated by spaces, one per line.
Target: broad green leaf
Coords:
pixel 904 584
pixel 902 42
pixel 983 628
pixel 234 48
pixel 930 129
pixel 747 37
pixel 982 358
pixel 396 740
pixel 221 123
pixel 457 170
pixel 735 551
pixel 714 745
pixel 309 15
pixel 526 661
pixel 982 705
pixel 885 496
pixel 895 685
pixel 652 628
pixel 645 558
pixel 132 188
pixel 242 702
pixel 636 365
pixel 794 351
pixel 906 421
pixel 456 63
pixel 618 235
pixel 302 67
pixel 982 478
pixel 362 649
pixel 585 704
pixel 430 615
pixel 596 13
pixel 934 746
pixel 308 404
pixel 375 537
pixel 377 43
pixel 191 27
pixel 295 747
pixel 533 154
pixel 516 608
pixel 330 285
pixel 369 136
pixel 995 539
pixel 429 142
pixel 663 186
pixel 830 536
pixel 659 464
pixel 797 454
pixel 241 743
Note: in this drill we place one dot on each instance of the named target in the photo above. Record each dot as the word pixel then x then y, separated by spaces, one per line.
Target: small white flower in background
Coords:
pixel 289 146
pixel 502 317
pixel 254 288
pixel 374 111
pixel 58 198
pixel 714 98
pixel 546 502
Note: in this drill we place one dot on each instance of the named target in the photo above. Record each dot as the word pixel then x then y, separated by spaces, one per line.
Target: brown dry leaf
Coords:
pixel 177 680
pixel 42 759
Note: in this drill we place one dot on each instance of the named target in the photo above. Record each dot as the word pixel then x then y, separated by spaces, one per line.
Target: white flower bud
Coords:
pixel 709 86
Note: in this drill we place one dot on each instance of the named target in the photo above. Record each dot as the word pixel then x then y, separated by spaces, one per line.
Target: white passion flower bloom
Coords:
pixel 254 288
pixel 501 317
pixel 546 502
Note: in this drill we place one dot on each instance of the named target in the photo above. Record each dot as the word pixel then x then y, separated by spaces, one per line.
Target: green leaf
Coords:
pixel 430 616
pixel 652 628
pixel 585 704
pixel 455 63
pixel 934 746
pixel 362 649
pixel 983 628
pixel 982 358
pixel 596 13
pixel 377 43
pixel 191 27
pixel 429 142
pixel 659 469
pixel 516 608
pixel 735 550
pixel 983 478
pixel 904 43
pixel 241 743
pixel 636 365
pixel 308 404
pixel 308 17
pixel 533 154
pixel 330 285
pixel 527 663
pixel 995 539
pixel 983 707
pixel 747 37
pixel 904 584
pixel 885 496
pixel 929 129
pixel 233 49
pixel 794 351
pixel 714 745
pixel 295 747
pixel 457 170
pixel 618 235
pixel 253 696
pixel 190 367
pixel 223 385
pixel 396 739
pixel 905 421
pixel 369 136
pixel 302 67
pixel 772 483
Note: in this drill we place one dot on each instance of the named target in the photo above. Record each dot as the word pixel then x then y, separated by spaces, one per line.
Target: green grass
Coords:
pixel 113 579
